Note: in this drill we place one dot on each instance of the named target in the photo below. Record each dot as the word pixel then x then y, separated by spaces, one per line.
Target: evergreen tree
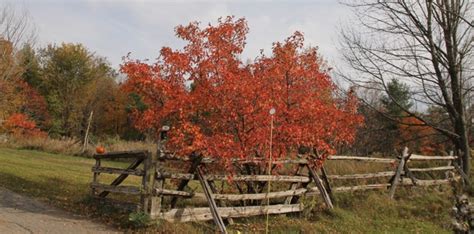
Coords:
pixel 397 100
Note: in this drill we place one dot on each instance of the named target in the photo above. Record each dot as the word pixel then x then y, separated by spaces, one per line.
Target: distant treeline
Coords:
pixel 55 89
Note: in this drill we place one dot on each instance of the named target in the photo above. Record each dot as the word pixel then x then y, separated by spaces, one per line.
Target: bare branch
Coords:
pixel 426 44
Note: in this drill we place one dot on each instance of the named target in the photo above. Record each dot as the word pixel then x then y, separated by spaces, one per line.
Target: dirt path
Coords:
pixel 19 214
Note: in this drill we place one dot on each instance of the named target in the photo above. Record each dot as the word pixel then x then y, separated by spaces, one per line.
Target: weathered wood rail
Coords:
pixel 170 184
pixel 138 158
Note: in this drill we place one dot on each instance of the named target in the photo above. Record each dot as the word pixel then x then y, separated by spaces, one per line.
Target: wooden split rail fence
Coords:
pixel 170 185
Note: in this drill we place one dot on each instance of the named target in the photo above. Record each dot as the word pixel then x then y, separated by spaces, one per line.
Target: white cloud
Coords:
pixel 114 28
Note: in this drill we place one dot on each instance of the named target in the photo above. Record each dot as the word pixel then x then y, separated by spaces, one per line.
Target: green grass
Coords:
pixel 60 180
pixel 63 181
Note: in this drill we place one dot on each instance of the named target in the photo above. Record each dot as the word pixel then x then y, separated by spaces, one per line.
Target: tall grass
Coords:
pixel 72 146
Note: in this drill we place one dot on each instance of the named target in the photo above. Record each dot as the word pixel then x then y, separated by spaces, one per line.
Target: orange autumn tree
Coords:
pixel 418 137
pixel 218 106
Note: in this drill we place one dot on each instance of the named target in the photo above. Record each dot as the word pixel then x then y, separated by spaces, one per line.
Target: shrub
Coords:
pixel 20 125
pixel 139 219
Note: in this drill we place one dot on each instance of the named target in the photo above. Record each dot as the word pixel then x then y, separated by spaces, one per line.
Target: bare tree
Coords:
pixel 16 25
pixel 427 44
pixel 16 29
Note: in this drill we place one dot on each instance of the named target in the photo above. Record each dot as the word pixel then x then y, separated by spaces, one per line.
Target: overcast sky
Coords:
pixel 114 28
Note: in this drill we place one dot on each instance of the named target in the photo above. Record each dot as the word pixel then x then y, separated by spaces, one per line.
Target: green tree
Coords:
pixel 397 100
pixel 393 103
pixel 29 60
pixel 68 71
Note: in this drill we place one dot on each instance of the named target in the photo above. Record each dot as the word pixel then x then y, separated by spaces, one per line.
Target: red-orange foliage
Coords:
pixel 17 96
pixel 35 105
pixel 218 106
pixel 19 125
pixel 418 137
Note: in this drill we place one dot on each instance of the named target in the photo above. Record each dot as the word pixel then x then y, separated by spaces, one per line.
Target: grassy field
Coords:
pixel 62 181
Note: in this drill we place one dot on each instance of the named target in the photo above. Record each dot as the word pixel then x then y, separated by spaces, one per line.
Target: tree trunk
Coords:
pixel 462 146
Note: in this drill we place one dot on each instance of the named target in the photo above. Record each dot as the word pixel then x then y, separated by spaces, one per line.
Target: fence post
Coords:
pixel 396 177
pixel 148 168
pixel 156 199
pixel 326 183
pixel 458 169
pixel 210 199
pixel 95 178
pixel 408 172
pixel 313 174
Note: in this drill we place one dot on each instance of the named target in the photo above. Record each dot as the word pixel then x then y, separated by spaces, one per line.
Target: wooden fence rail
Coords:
pixel 102 190
pixel 243 194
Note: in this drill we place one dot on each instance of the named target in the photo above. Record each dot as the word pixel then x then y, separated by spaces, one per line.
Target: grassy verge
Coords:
pixel 63 181
pixel 72 146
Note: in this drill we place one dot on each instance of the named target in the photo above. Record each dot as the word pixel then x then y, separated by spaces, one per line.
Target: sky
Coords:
pixel 114 28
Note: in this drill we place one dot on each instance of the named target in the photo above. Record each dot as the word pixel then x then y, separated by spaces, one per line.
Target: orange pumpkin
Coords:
pixel 100 150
